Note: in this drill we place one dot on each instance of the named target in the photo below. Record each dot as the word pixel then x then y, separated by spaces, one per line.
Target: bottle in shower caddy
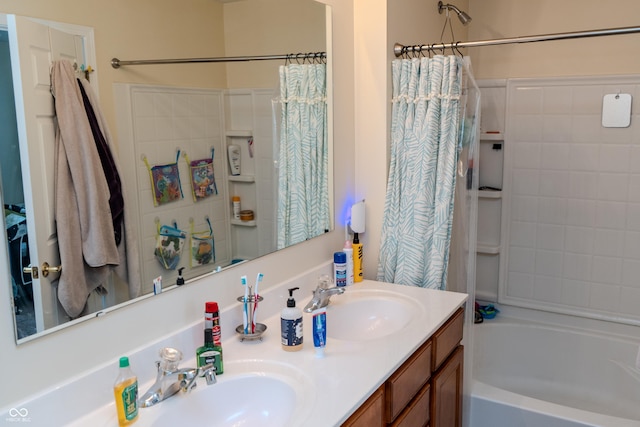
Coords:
pixel 236 207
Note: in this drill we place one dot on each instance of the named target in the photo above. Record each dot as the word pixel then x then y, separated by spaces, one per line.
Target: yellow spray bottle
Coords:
pixel 125 390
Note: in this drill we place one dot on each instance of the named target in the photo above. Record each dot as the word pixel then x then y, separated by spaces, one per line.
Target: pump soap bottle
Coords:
pixel 291 325
pixel 125 391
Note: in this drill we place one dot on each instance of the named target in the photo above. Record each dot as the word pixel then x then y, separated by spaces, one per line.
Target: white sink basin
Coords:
pixel 362 315
pixel 249 393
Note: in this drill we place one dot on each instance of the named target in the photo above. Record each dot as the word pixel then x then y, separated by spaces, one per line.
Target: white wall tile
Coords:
pixel 552 210
pixel 528 128
pixel 630 301
pixel 579 239
pixel 608 242
pixel 522 260
pixel 143 104
pixel 554 183
pixel 524 208
pixel 633 216
pixel 575 197
pixel 616 135
pixel 634 188
pixel 181 105
pixel 527 155
pixel 583 185
pixel 555 156
pixel 557 100
pixel 587 99
pixel 525 181
pixel 547 289
pixel 631 273
pixel 584 157
pixel 549 263
pixel 575 293
pixel 611 215
pixel 605 297
pixel 520 285
pixel 632 245
pixel 556 128
pixel 550 237
pixel 523 234
pixel 581 212
pixel 586 129
pixel 614 158
pixel 528 100
pixel 606 270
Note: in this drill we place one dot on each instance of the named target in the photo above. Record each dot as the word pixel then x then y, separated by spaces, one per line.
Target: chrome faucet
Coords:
pixel 322 295
pixel 170 379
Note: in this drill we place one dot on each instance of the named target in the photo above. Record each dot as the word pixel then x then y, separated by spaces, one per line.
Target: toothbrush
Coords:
pixel 245 311
pixel 255 304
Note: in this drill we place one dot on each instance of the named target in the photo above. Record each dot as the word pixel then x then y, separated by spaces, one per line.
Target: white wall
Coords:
pixel 592 56
pixel 408 22
pixel 62 355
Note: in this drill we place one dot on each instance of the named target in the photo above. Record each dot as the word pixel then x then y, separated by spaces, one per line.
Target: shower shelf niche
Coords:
pixel 491 160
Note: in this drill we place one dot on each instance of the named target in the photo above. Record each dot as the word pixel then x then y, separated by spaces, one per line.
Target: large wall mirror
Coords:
pixel 158 115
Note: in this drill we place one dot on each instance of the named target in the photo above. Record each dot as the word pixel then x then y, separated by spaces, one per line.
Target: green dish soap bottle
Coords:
pixel 210 353
pixel 125 390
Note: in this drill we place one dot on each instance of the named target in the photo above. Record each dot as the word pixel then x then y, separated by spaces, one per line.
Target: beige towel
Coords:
pixel 83 218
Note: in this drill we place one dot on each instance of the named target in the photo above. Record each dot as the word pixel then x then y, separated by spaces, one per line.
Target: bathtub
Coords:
pixel 536 369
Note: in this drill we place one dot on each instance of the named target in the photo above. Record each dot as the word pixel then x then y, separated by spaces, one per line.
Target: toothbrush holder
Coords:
pixel 251 303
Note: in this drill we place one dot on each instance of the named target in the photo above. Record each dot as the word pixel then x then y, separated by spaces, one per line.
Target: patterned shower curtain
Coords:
pixel 418 215
pixel 302 152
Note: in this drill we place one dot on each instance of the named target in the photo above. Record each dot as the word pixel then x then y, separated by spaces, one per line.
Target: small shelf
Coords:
pixel 242 178
pixel 491 137
pixel 487 249
pixel 489 194
pixel 243 223
pixel 239 133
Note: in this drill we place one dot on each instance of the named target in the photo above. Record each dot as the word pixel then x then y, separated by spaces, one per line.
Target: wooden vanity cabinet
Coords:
pixel 371 413
pixel 426 391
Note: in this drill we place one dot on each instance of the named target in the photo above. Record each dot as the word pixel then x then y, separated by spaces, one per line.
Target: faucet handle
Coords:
pixel 324 282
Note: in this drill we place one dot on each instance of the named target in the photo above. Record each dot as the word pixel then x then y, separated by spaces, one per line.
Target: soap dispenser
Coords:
pixel 180 279
pixel 291 325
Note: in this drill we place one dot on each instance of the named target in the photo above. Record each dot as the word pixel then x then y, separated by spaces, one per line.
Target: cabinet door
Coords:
pixel 371 413
pixel 446 401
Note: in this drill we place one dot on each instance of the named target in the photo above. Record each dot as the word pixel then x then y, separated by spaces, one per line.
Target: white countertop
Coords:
pixel 334 386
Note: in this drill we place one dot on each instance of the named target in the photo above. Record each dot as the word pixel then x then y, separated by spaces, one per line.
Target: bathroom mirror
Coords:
pixel 150 30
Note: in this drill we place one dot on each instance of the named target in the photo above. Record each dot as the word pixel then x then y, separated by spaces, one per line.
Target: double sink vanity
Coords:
pixel 392 358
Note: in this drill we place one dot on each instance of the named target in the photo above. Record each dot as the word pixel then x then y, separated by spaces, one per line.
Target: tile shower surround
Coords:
pixel 572 214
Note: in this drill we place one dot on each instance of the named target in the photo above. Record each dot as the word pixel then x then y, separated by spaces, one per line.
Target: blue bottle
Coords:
pixel 340 268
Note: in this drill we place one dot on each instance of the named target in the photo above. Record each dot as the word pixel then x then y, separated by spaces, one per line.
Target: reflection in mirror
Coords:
pixel 198 129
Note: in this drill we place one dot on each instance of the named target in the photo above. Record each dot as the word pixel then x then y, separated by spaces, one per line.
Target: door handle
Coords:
pixel 45 268
pixel 33 271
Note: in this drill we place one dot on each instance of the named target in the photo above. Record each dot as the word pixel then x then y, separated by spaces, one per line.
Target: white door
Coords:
pixel 33 46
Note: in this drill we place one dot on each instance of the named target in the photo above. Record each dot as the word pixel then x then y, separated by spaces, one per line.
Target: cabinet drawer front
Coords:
pixel 407 381
pixel 447 338
pixel 417 413
pixel 370 414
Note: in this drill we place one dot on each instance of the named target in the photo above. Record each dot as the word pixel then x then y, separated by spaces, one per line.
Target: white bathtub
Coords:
pixel 528 372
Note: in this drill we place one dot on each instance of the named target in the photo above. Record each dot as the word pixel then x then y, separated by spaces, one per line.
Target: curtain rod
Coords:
pixel 399 49
pixel 117 63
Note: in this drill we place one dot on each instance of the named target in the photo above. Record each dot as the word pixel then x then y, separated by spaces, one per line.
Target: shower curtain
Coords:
pixel 302 153
pixel 426 139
